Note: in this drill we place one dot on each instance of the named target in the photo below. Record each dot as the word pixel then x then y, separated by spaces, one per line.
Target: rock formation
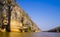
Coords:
pixel 13 18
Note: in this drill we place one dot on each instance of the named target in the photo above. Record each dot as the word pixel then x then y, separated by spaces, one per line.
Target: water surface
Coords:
pixel 29 34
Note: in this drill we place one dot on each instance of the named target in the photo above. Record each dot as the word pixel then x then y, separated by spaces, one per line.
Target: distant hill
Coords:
pixel 57 29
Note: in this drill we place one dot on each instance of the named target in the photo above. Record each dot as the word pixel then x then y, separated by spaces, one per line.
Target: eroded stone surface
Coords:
pixel 19 20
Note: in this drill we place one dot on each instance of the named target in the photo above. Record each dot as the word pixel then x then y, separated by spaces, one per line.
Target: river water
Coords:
pixel 29 34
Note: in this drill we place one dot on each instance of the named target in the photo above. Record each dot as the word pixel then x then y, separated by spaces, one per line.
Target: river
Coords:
pixel 29 34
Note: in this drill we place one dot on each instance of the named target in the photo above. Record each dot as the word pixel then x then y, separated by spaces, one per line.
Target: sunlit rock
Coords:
pixel 14 19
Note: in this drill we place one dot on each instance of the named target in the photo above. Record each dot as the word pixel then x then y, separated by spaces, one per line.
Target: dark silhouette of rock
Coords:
pixel 57 29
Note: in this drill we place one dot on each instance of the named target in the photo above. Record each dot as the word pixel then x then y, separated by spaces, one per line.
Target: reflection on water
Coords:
pixel 41 34
pixel 15 34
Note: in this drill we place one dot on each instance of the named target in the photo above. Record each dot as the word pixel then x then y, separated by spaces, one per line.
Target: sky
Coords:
pixel 45 13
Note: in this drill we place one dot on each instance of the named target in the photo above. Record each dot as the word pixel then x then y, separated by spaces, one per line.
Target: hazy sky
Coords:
pixel 45 13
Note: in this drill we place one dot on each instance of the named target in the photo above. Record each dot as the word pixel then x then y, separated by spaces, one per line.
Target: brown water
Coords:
pixel 29 34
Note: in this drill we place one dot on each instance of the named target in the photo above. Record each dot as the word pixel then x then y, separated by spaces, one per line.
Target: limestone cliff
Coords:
pixel 13 18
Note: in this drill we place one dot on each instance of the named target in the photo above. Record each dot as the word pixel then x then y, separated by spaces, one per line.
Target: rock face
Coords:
pixel 13 18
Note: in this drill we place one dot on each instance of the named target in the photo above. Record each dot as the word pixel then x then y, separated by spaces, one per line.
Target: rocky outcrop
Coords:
pixel 13 18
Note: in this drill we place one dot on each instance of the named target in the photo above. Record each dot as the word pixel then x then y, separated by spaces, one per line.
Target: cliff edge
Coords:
pixel 14 19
